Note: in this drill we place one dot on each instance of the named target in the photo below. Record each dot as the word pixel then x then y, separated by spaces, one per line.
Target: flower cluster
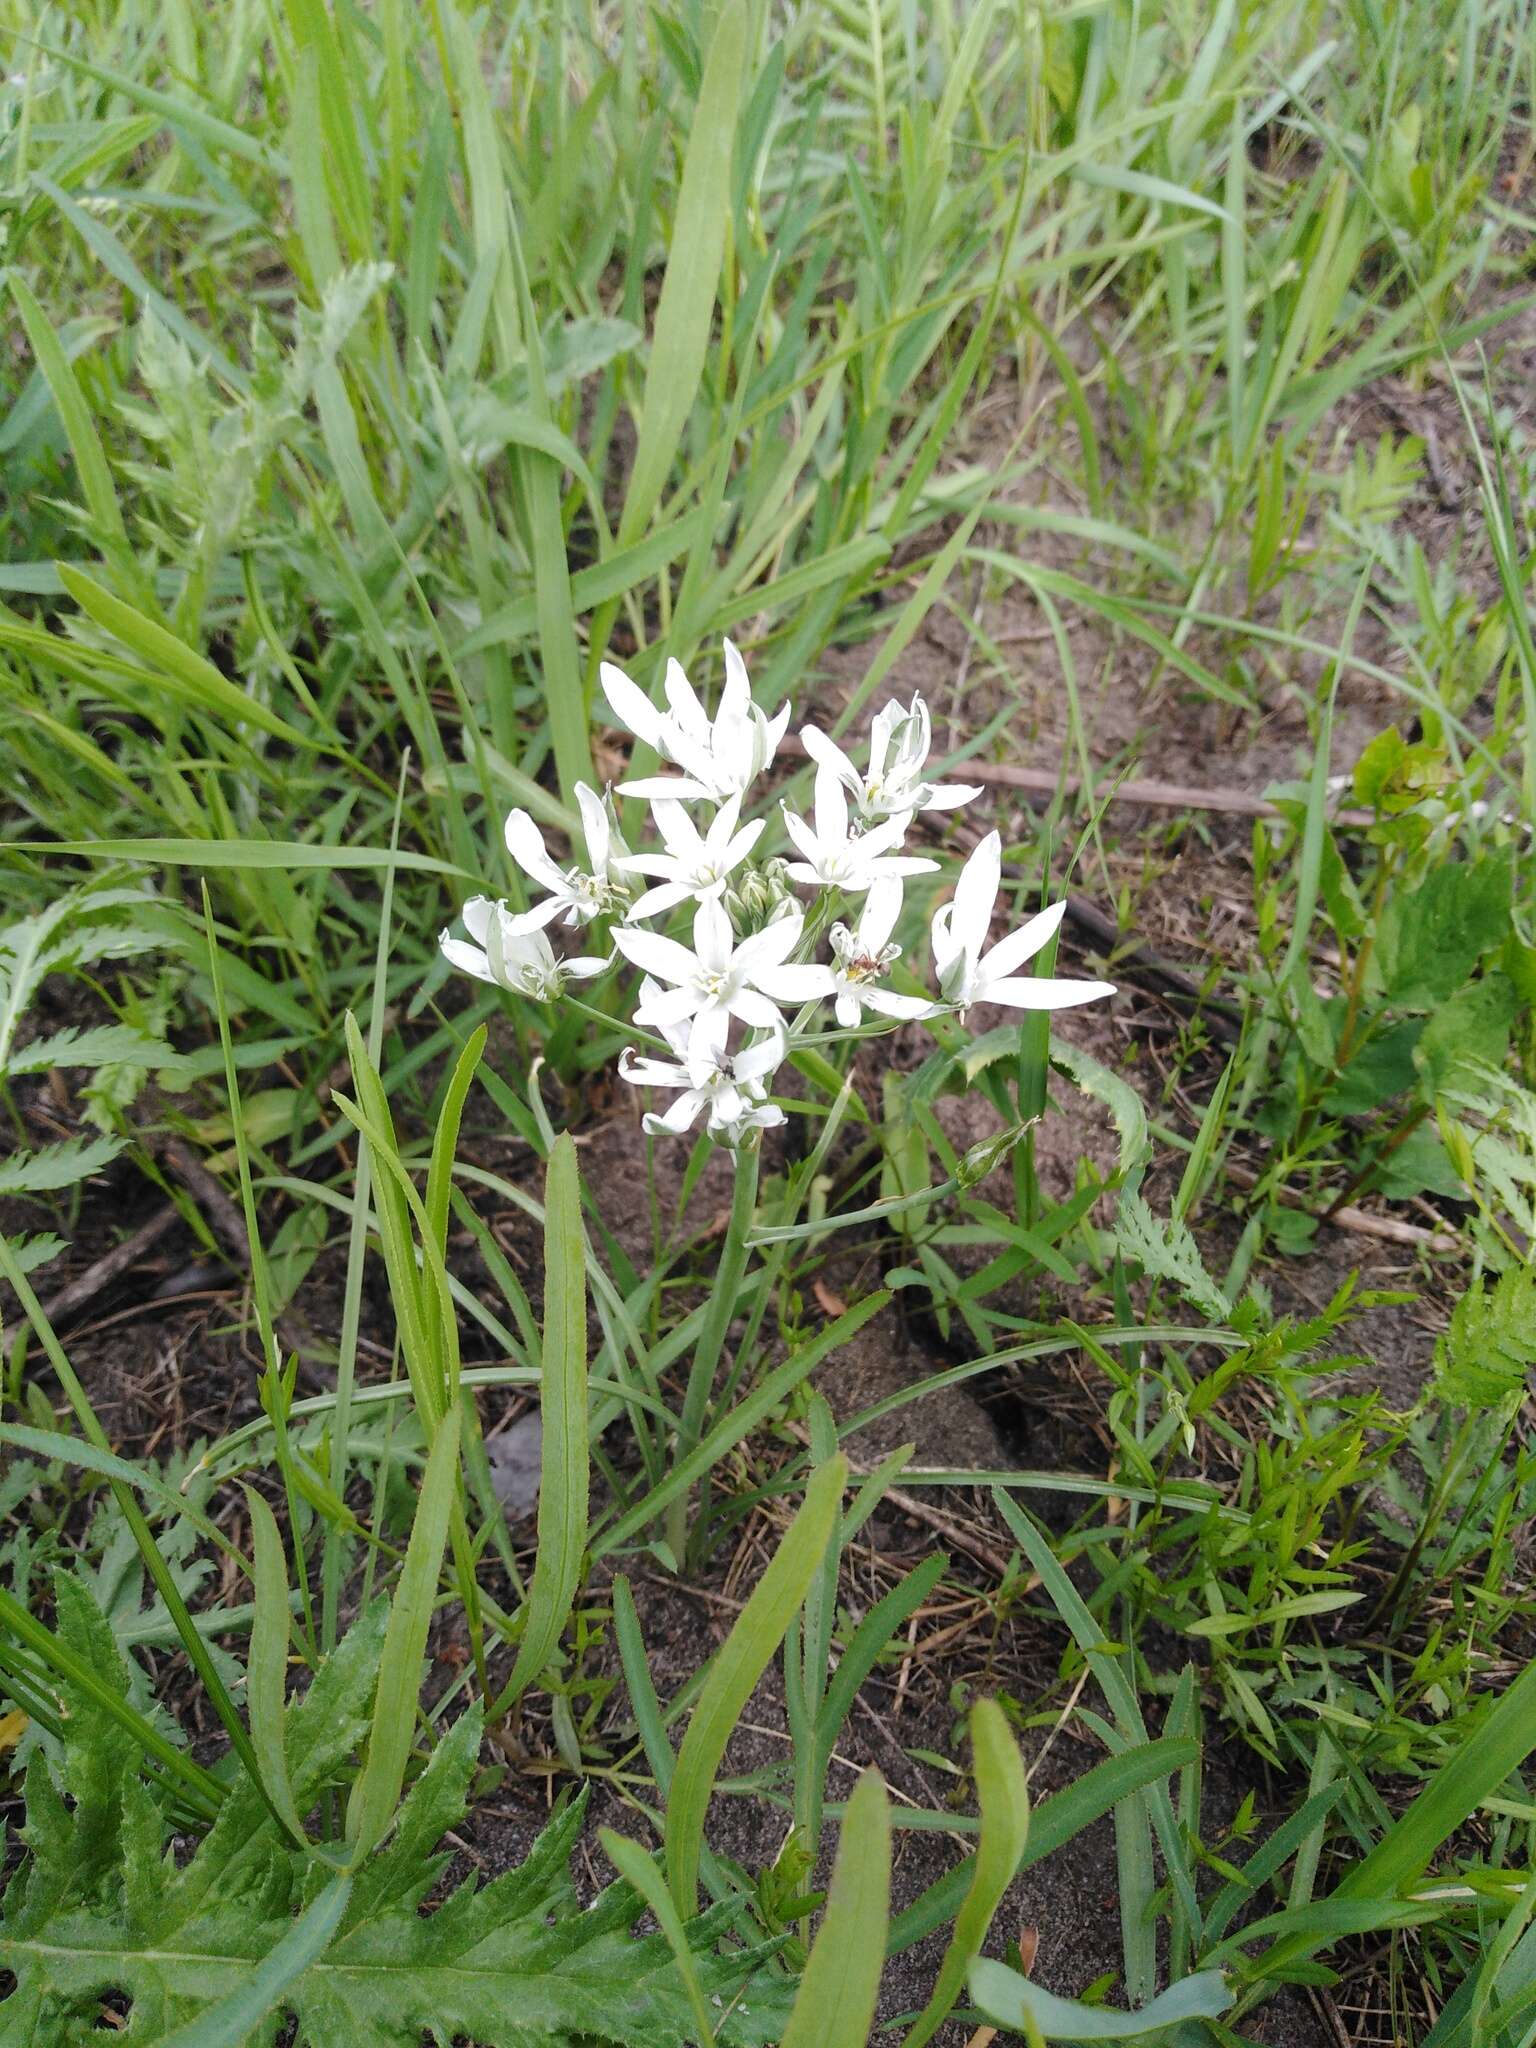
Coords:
pixel 734 994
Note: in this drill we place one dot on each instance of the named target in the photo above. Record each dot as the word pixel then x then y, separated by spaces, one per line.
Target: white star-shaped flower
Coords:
pixel 838 856
pixel 717 979
pixel 576 894
pixel 967 974
pixel 733 1090
pixel 863 956
pixel 719 757
pixel 696 864
pixel 892 785
pixel 521 960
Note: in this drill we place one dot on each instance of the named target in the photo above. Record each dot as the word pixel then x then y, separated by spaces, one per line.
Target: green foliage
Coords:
pixel 1482 1360
pixel 100 1906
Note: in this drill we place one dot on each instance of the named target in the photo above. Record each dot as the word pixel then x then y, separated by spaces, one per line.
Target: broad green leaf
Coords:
pixel 1430 938
pixel 231 2022
pixel 207 1947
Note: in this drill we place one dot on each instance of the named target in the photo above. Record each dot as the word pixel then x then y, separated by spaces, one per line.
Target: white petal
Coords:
pixel 713 939
pixel 655 954
pixel 846 1009
pixel 885 836
pixel 948 796
pixel 526 845
pixel 891 1003
pixel 676 828
pixel 630 705
pixel 583 967
pixel 826 753
pixel 775 942
pixel 754 1061
pixel 477 914
pixel 704 1036
pixel 677 1117
pixel 736 695
pixel 648 1073
pixel 684 788
pixel 831 808
pixel 975 894
pixel 1031 992
pixel 756 1010
pixel 683 703
pixel 665 896
pixel 469 959
pixel 594 828
pixel 1011 953
pixel 673 1007
pixel 802 835
pixel 743 843
pixel 882 907
pixel 795 984
pixel 536 919
pixel 664 866
pixel 898 864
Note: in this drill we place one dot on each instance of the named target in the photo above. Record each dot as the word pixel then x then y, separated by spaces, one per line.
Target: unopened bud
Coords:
pixel 986 1154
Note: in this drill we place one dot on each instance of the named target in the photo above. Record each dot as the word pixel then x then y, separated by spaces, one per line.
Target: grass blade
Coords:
pixel 687 303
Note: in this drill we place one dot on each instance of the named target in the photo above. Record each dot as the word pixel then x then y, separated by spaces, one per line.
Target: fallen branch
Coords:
pixel 1166 796
pixel 81 1292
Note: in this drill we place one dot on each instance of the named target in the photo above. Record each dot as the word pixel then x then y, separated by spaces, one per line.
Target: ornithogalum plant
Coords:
pixel 760 944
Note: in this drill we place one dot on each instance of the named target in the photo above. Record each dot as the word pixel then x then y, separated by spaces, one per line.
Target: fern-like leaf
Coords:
pixel 100 1906
pixel 1167 1251
pixel 1485 1354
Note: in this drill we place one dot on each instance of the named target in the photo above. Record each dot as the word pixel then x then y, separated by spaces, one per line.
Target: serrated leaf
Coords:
pixel 1430 938
pixel 98 1904
pixel 96 1046
pixel 1485 1354
pixel 1167 1251
pixel 57 1166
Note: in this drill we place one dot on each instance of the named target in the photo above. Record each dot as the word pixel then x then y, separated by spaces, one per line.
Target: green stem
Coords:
pixel 1400 1136
pixel 717 1320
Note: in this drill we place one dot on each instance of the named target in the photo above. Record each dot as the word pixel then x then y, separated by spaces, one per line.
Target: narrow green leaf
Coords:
pixel 687 303
pixel 563 1498
pixel 1004 1797
pixel 377 1792
pixel 1008 2000
pixel 194 678
pixel 742 1659
pixel 85 445
pixel 835 2006
pixel 640 1871
pixel 267 1667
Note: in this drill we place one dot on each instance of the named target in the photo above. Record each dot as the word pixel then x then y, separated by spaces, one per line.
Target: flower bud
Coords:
pixel 986 1154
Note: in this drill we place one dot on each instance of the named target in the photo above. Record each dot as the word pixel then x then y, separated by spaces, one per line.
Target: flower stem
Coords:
pixel 717 1320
